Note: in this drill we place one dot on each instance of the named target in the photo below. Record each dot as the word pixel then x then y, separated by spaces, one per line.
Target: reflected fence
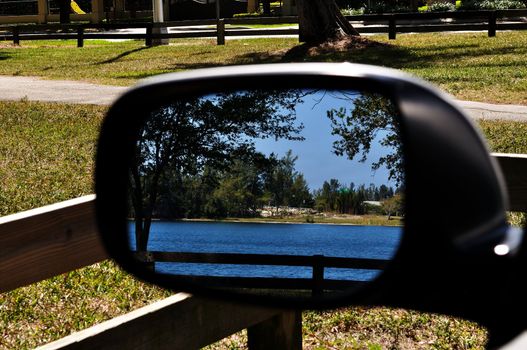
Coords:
pixel 489 21
pixel 317 284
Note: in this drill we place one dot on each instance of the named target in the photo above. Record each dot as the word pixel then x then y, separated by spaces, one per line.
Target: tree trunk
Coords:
pixel 321 20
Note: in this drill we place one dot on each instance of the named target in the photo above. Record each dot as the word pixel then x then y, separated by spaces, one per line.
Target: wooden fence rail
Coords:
pixel 374 23
pixel 44 242
pixel 268 259
pixel 316 284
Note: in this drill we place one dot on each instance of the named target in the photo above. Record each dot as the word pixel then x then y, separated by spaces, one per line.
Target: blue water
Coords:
pixel 377 242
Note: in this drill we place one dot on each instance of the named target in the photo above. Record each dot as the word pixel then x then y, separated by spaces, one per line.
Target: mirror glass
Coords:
pixel 283 192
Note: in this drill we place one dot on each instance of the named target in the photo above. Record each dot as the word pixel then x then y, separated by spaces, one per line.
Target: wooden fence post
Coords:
pixel 43 10
pixel 148 38
pixel 392 28
pixel 220 29
pixel 318 276
pixel 16 35
pixel 80 36
pixel 281 332
pixel 492 23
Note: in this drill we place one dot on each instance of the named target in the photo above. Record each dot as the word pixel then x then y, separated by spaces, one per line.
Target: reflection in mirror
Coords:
pixel 283 192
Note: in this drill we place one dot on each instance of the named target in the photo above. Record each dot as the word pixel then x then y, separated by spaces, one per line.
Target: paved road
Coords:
pixel 37 89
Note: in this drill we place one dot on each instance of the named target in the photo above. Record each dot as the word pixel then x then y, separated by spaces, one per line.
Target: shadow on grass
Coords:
pixel 390 55
pixel 5 55
pixel 124 54
pixel 173 69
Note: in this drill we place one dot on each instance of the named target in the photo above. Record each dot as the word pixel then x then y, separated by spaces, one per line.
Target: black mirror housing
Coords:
pixel 455 201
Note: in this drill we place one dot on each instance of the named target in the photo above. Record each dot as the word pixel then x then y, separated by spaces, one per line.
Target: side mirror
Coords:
pixel 301 143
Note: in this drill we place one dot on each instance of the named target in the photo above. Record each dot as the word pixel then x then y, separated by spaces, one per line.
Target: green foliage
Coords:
pixel 386 7
pixel 393 205
pixel 357 129
pixel 350 11
pixel 442 7
pixel 491 4
pixel 334 197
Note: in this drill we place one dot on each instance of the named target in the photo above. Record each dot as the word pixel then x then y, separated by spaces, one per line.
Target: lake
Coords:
pixel 375 242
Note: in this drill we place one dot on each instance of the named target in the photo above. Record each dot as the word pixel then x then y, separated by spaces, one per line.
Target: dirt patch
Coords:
pixel 339 44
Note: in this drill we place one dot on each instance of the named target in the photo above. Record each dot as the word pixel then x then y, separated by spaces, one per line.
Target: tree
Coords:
pixel 300 196
pixel 372 116
pixel 181 138
pixel 393 205
pixel 326 197
pixel 321 20
pixel 238 193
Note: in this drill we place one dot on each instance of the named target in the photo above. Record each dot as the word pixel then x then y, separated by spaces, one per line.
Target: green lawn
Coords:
pixel 469 66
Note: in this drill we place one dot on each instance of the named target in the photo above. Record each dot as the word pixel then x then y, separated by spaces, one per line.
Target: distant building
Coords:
pixel 373 203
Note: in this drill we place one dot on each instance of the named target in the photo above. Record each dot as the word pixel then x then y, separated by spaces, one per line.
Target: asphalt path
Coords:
pixel 37 89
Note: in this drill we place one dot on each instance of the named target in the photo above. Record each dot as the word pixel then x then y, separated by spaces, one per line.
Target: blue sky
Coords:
pixel 315 158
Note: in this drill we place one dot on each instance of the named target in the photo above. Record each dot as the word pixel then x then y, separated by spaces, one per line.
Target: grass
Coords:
pixel 463 64
pixel 264 26
pixel 377 329
pixel 505 136
pixel 46 153
pixel 54 308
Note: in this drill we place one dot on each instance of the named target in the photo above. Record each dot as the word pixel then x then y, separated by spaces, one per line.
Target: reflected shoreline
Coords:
pixel 365 220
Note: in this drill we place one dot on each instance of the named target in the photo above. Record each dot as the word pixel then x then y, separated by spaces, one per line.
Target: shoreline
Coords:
pixel 244 221
pixel 397 222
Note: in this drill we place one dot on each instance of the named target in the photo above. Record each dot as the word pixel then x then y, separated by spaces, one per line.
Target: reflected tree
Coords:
pixel 200 152
pixel 183 137
pixel 371 116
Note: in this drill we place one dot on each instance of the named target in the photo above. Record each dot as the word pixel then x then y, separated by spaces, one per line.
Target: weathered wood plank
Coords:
pixel 514 168
pixel 45 242
pixel 178 322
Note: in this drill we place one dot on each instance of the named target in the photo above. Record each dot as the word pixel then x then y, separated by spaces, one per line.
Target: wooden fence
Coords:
pixel 490 21
pixel 44 242
pixel 317 263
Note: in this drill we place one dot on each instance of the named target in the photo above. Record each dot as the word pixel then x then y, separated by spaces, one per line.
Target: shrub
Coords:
pixel 492 5
pixel 349 11
pixel 441 7
pixel 382 7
